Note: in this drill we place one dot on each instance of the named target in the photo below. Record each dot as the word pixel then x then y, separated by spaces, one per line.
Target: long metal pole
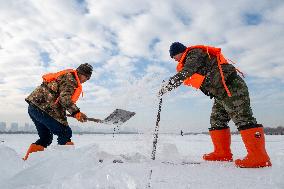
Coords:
pixel 155 140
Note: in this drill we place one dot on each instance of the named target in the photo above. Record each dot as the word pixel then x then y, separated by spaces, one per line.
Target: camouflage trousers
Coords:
pixel 237 107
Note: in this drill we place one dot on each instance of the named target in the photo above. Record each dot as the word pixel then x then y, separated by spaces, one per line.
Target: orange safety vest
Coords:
pixel 53 76
pixel 196 79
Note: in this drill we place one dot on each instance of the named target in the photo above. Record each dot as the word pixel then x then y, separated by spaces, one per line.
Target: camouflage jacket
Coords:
pixel 198 61
pixel 61 90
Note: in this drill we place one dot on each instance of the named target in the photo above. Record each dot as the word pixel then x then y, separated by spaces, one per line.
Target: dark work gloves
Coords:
pixel 168 86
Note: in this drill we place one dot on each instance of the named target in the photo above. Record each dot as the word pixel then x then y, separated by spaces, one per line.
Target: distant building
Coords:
pixel 2 126
pixel 29 128
pixel 14 127
pixel 26 127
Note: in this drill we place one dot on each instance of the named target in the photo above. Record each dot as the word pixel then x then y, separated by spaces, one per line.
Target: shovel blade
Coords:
pixel 118 117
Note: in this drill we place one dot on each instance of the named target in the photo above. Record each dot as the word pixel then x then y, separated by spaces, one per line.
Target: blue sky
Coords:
pixel 127 42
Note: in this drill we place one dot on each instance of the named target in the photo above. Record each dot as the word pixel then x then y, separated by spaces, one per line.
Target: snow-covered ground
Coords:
pixel 79 167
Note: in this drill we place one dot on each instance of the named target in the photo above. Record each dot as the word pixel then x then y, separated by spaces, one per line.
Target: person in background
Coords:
pixel 205 68
pixel 49 102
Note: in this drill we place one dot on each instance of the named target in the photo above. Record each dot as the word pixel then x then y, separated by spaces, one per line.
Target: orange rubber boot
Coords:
pixel 221 140
pixel 255 144
pixel 69 143
pixel 33 148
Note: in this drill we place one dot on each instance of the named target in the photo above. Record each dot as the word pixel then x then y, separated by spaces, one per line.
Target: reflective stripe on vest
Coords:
pixel 53 76
pixel 196 79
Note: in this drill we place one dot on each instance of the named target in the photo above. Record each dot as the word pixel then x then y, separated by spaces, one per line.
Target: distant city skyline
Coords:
pixel 27 127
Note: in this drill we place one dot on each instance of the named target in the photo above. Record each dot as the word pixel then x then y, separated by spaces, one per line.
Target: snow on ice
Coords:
pixel 79 166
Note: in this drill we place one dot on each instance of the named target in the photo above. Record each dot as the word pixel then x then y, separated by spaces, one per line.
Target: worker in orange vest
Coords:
pixel 49 102
pixel 205 68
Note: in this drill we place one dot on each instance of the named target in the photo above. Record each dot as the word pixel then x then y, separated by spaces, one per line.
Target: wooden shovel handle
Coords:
pixel 95 120
pixel 89 119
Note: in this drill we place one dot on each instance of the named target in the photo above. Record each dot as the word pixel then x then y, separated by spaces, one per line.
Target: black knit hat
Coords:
pixel 85 69
pixel 176 48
